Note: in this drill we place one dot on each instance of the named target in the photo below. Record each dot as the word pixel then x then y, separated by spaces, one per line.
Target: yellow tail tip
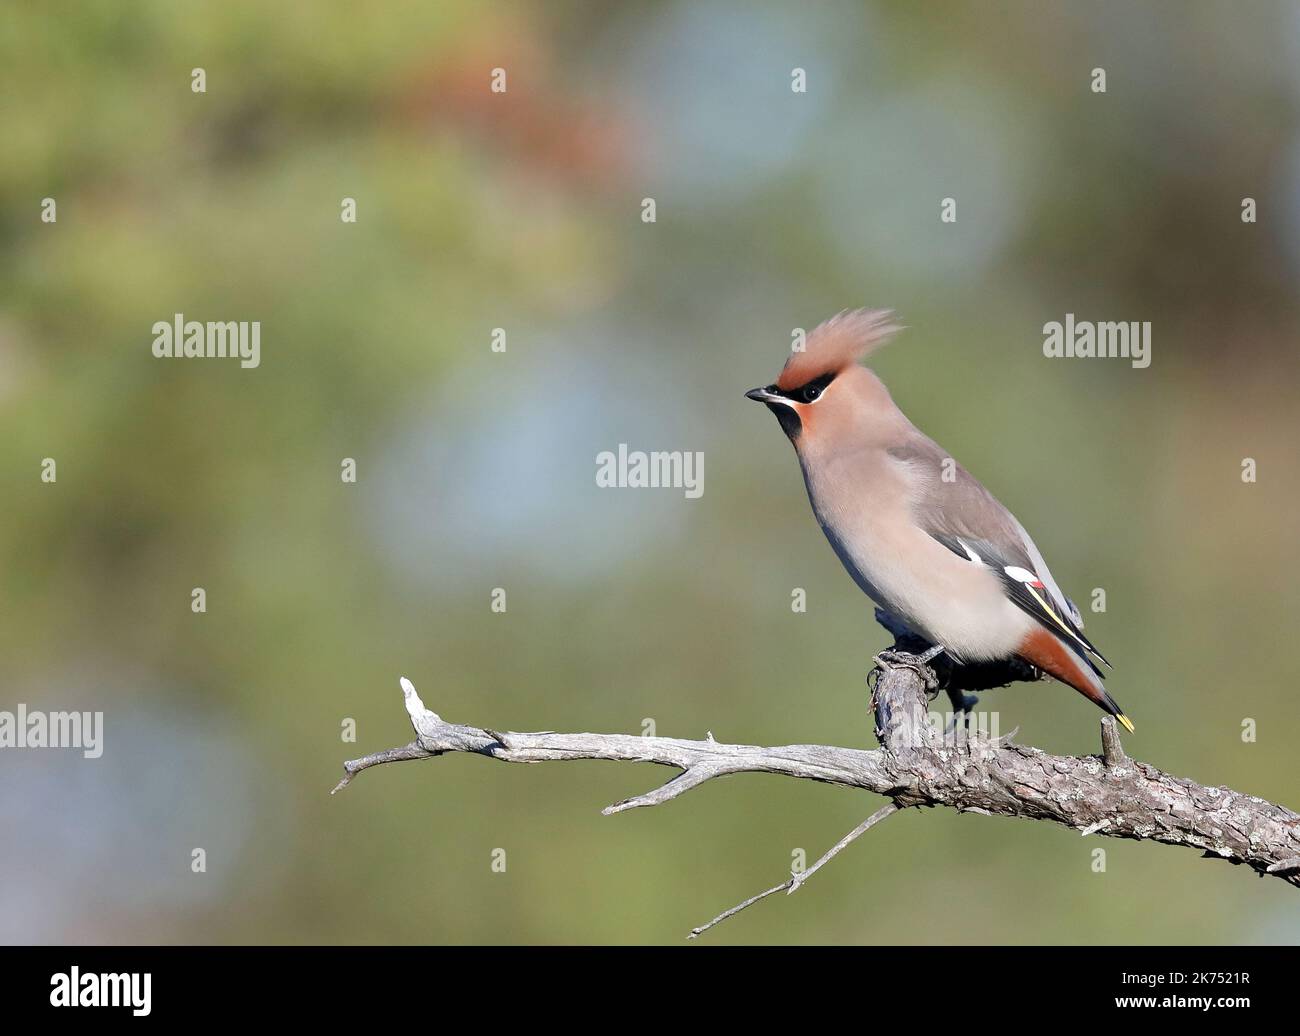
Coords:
pixel 1128 723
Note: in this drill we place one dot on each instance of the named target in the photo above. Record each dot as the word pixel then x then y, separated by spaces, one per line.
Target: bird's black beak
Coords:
pixel 786 412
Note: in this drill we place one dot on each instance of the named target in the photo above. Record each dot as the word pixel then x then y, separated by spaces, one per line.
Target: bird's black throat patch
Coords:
pixel 790 423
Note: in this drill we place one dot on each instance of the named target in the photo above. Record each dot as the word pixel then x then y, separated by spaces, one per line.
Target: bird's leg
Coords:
pixel 962 704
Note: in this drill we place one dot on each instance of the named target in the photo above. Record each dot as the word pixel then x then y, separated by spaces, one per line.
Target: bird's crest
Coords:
pixel 838 343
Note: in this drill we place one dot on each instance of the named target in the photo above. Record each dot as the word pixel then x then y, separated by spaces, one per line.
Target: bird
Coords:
pixel 918 533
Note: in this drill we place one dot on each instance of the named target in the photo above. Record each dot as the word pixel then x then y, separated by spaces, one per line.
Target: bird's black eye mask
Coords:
pixel 809 392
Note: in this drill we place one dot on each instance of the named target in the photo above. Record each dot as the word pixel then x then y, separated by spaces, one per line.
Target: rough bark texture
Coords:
pixel 919 765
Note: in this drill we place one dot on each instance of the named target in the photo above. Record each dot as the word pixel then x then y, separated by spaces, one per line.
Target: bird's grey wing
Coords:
pixel 953 507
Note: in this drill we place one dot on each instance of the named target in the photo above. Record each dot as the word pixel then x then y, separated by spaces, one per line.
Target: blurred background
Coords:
pixel 475 469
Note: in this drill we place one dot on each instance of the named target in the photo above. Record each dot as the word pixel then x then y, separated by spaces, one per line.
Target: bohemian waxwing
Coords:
pixel 915 530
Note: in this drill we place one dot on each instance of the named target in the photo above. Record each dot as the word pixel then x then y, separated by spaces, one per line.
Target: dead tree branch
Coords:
pixel 920 765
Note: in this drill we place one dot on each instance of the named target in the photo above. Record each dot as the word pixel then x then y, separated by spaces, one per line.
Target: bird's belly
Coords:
pixel 944 598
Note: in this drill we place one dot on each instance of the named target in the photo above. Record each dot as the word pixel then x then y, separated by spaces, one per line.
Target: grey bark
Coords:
pixel 918 765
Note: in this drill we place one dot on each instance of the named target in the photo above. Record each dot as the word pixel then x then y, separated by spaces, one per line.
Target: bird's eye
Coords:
pixel 811 393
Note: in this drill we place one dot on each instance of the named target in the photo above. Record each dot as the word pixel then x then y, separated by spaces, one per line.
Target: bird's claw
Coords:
pixel 892 658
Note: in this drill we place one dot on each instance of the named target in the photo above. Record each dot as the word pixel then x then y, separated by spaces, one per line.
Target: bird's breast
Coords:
pixel 947 599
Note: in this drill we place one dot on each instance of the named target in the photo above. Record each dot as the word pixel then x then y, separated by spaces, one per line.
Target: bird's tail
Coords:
pixel 1056 658
pixel 1112 706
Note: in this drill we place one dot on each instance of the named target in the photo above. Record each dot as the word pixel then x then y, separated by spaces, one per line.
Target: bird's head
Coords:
pixel 821 389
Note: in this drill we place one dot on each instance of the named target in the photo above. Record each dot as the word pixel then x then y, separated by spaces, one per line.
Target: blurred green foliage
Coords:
pixel 521 211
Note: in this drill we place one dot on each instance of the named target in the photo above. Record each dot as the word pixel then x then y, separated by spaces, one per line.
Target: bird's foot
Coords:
pixel 961 727
pixel 892 658
pixel 955 720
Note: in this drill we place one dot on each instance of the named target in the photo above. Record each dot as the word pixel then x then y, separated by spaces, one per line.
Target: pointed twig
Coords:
pixel 796 880
pixel 1112 748
pixel 390 755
